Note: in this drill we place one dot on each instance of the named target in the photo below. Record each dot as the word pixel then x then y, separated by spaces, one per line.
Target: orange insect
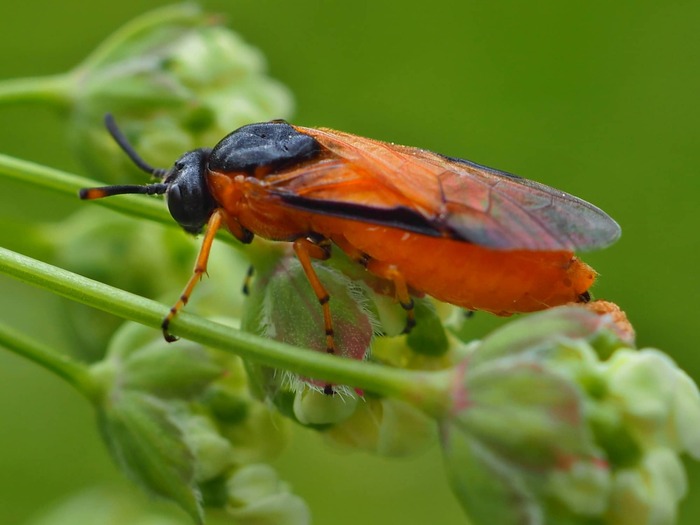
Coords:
pixel 463 233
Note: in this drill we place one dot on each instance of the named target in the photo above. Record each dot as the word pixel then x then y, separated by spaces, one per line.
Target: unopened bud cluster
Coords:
pixel 555 420
pixel 180 421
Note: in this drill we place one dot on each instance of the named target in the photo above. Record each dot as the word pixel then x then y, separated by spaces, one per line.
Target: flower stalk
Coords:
pixel 72 371
pixel 425 389
pixel 54 90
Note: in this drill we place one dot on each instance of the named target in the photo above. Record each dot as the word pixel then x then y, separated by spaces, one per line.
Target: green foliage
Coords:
pixel 183 428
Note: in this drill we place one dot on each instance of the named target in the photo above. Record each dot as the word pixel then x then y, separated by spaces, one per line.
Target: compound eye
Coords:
pixel 189 200
pixel 186 208
pixel 176 204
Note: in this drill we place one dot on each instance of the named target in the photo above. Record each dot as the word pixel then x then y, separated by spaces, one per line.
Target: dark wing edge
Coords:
pixel 397 217
pixel 522 214
pixel 519 213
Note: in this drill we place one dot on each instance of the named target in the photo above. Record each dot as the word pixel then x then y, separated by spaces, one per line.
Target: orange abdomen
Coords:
pixel 468 275
pixel 499 281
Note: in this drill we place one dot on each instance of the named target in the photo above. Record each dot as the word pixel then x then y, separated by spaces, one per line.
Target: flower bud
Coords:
pixel 176 80
pixel 177 418
pixel 659 402
pixel 312 407
pixel 212 452
pixel 257 497
pixel 649 493
pixel 547 425
pixel 283 306
pixel 142 257
pixel 138 256
pixel 134 255
pixel 386 427
pixel 260 436
pixel 256 431
pixel 103 506
pixel 139 359
pixel 226 405
pixel 141 433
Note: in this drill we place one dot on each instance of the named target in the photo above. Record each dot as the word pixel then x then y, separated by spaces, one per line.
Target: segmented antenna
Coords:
pixel 124 144
pixel 107 191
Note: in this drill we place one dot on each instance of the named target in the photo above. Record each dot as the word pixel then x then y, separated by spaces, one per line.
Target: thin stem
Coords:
pixel 72 371
pixel 69 184
pixel 427 390
pixel 188 14
pixel 424 389
pixel 60 89
pixel 56 90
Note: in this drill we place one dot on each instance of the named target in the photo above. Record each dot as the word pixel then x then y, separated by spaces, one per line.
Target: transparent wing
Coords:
pixel 422 191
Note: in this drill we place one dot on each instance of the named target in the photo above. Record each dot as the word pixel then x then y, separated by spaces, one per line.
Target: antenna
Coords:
pixel 124 144
pixel 107 191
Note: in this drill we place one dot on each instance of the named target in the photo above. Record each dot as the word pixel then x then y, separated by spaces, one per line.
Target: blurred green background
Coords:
pixel 597 98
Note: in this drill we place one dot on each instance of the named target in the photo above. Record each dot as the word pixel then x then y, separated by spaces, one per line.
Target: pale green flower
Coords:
pixel 549 426
pixel 256 496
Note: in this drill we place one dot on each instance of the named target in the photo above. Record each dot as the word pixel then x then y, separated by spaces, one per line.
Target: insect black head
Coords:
pixel 262 148
pixel 189 200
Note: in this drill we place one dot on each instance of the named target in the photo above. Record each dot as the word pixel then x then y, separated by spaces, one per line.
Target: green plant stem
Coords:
pixel 72 371
pixel 60 90
pixel 68 184
pixel 427 390
pixel 186 14
pixel 56 90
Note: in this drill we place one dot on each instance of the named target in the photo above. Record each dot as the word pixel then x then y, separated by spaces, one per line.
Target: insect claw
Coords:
pixel 248 278
pixel 410 323
pixel 169 338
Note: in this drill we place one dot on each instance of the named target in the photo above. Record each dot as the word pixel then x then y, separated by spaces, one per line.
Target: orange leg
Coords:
pixel 200 269
pixel 305 249
pixel 383 271
pixel 356 255
pixel 391 273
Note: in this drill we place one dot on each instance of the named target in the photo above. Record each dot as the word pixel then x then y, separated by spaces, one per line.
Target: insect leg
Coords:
pixel 355 254
pixel 391 273
pixel 200 269
pixel 248 278
pixel 305 249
